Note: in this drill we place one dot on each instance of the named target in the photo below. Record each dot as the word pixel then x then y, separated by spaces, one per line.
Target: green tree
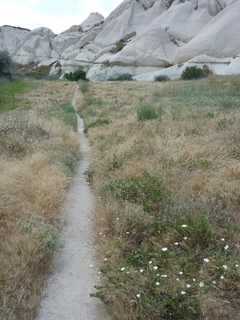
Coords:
pixel 7 69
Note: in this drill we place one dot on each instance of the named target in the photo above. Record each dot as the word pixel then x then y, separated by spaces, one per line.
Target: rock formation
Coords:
pixel 142 37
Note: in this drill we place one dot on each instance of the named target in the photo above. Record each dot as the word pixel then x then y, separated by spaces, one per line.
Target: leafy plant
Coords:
pixel 7 68
pixel 193 73
pixel 76 75
pixel 146 111
pixel 98 122
pixel 46 235
pixel 161 78
pixel 147 190
pixel 122 77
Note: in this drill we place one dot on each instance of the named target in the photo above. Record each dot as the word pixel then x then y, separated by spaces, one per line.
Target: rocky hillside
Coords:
pixel 142 37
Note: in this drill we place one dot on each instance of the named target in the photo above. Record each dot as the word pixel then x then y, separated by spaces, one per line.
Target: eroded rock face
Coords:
pixel 10 37
pixel 37 47
pixel 144 38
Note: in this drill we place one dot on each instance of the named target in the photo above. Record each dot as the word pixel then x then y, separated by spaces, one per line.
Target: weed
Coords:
pixel 147 190
pixel 98 122
pixel 46 235
pixel 146 111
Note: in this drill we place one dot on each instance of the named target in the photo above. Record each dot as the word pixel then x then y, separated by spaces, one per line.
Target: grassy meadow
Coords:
pixel 39 151
pixel 165 171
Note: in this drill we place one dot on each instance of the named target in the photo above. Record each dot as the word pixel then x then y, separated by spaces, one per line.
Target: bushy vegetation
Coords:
pixel 7 69
pixel 193 73
pixel 161 78
pixel 166 220
pixel 79 74
pixel 122 77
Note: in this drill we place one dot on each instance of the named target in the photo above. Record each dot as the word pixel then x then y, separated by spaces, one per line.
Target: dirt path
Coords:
pixel 75 272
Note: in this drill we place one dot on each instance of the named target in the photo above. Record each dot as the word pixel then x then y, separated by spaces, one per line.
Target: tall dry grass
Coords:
pixel 38 154
pixel 170 182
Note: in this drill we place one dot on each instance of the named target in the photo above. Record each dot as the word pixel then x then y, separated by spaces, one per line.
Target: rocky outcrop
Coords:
pixel 10 37
pixel 144 38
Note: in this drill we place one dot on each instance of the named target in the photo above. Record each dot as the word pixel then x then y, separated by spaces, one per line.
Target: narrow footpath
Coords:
pixel 67 293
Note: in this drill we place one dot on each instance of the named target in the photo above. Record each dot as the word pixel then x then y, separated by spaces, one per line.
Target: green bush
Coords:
pixel 46 235
pixel 161 78
pixel 7 69
pixel 76 75
pixel 193 73
pixel 122 77
pixel 146 111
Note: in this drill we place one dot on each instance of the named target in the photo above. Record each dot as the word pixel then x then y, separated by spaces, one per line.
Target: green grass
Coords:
pixel 8 94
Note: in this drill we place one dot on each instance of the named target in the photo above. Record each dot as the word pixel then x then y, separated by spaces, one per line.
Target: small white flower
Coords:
pixel 183 292
pixel 99 197
pixel 164 275
pixel 122 269
pixel 155 268
pixel 104 236
pixel 180 272
pixel 138 295
pixel 236 265
pixel 164 249
pixel 176 243
pixel 188 286
pixel 225 267
pixel 185 238
pixel 100 233
pixel 222 239
pixel 226 247
pixel 105 259
pixel 117 218
pixel 157 283
pixel 91 265
pixel 141 270
pixel 177 279
pixel 184 226
pixel 222 277
pixel 206 260
pixel 193 279
pixel 127 272
pixel 99 272
pixel 127 232
pixel 214 282
pixel 150 262
pixel 201 284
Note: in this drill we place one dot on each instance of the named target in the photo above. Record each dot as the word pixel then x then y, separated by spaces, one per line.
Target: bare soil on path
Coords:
pixel 67 293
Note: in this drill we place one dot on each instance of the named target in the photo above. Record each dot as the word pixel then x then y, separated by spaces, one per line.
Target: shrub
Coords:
pixel 76 75
pixel 122 77
pixel 46 235
pixel 193 73
pixel 146 111
pixel 7 69
pixel 161 78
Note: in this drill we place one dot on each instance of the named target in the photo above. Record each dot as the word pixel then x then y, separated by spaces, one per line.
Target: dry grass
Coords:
pixel 38 153
pixel 192 148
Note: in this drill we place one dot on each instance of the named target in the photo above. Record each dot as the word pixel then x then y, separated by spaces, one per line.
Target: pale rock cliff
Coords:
pixel 10 37
pixel 144 38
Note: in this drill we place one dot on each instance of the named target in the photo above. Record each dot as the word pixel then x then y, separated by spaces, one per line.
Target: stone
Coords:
pixel 10 37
